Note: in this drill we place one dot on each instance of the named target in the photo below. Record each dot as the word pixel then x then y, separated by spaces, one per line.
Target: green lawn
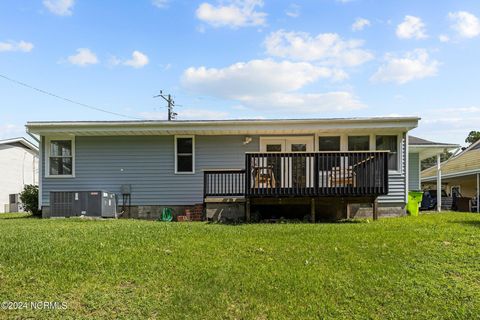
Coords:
pixel 398 268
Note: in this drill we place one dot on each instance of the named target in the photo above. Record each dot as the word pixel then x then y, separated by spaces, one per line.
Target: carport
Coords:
pixel 461 171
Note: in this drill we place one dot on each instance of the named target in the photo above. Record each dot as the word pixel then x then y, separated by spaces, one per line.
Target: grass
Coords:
pixel 398 268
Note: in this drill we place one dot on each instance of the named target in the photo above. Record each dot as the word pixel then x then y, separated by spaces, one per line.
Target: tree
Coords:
pixel 29 199
pixel 473 137
pixel 432 161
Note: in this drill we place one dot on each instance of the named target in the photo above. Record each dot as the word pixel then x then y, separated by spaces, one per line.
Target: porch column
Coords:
pixel 478 192
pixel 439 183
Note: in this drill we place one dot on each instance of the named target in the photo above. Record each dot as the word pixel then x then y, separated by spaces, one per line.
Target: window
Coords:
pixel 329 144
pixel 359 143
pixel 184 154
pixel 60 158
pixel 389 143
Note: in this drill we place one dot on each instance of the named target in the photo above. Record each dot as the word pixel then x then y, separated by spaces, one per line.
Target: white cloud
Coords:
pixel 360 24
pixel 293 11
pixel 22 46
pixel 233 14
pixel 465 24
pixel 305 103
pixel 59 7
pixel 162 4
pixel 83 58
pixel 411 27
pixel 138 60
pixel 270 85
pixel 413 65
pixel 443 38
pixel 325 48
pixel 255 77
pixel 450 124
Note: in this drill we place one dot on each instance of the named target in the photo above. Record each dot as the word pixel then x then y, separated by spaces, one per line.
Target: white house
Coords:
pixel 18 167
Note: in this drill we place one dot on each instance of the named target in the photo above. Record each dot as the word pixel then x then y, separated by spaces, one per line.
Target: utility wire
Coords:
pixel 67 99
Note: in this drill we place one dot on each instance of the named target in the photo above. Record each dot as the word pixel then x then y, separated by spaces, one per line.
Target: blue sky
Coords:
pixel 243 59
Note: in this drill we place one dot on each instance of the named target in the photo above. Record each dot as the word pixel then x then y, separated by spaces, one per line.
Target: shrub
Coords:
pixel 29 199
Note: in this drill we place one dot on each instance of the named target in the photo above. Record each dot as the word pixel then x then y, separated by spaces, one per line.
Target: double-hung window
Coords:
pixel 60 157
pixel 389 143
pixel 184 154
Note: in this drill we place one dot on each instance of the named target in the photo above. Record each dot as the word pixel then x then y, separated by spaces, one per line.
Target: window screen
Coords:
pixel 329 144
pixel 389 143
pixel 359 143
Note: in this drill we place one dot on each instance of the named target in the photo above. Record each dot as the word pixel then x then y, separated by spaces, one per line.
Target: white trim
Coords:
pixel 21 140
pixel 175 154
pixel 328 134
pixel 47 154
pixel 400 153
pixel 419 173
pixel 451 175
pixel 284 140
pixel 41 162
pixel 407 168
pixel 233 127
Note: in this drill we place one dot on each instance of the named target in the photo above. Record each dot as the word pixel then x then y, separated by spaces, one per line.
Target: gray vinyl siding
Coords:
pixel 413 171
pixel 396 183
pixel 148 165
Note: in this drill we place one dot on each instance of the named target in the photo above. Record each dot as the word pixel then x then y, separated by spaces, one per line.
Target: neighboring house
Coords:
pixel 459 174
pixel 18 167
pixel 420 149
pixel 361 162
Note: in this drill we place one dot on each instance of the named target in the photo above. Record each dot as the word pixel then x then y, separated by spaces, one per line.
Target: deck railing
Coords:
pixel 303 174
pixel 223 182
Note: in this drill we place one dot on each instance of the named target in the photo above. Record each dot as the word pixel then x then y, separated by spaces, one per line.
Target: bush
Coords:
pixel 29 199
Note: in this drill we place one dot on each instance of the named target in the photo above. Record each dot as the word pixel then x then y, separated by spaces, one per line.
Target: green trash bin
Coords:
pixel 414 202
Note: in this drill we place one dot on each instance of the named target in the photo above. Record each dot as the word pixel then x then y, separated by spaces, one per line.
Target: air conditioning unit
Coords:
pixel 83 203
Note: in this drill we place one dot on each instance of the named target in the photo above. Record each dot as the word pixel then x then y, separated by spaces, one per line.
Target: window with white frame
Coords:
pixel 358 143
pixel 184 154
pixel 389 143
pixel 329 143
pixel 60 157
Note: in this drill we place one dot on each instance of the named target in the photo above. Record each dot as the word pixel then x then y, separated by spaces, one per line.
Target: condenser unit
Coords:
pixel 83 203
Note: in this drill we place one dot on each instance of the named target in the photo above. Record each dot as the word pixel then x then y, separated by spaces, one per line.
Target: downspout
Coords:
pixel 40 165
pixel 478 192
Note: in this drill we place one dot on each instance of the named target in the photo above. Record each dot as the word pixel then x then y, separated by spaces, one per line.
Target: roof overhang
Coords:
pixel 451 175
pixel 22 141
pixel 430 150
pixel 223 127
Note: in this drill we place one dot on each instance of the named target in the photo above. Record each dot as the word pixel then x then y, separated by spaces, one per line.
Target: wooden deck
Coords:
pixel 303 174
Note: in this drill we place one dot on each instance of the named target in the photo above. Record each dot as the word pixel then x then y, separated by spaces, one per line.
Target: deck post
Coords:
pixel 247 209
pixel 375 209
pixel 439 183
pixel 312 209
pixel 348 210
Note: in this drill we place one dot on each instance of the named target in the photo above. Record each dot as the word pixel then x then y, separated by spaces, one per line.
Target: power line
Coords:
pixel 171 104
pixel 67 99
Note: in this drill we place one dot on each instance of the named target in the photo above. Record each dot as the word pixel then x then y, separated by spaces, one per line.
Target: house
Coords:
pixel 18 167
pixel 314 168
pixel 458 175
pixel 420 149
